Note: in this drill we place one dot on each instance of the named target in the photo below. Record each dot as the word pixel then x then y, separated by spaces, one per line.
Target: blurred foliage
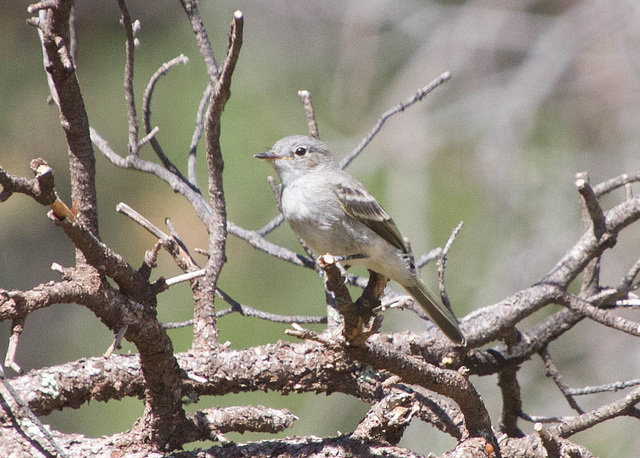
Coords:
pixel 540 91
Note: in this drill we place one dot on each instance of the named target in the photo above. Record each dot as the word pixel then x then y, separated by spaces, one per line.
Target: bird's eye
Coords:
pixel 301 151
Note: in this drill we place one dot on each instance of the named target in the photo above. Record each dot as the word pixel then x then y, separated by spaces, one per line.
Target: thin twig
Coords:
pixel 614 183
pixel 591 204
pixel 250 311
pixel 197 135
pixel 277 194
pixel 146 109
pixel 543 419
pixel 175 236
pixel 604 317
pixel 310 113
pixel 627 281
pixel 73 41
pixel 589 419
pixel 206 50
pixel 185 277
pixel 117 341
pixel 141 220
pixel 271 225
pixel 245 310
pixel 258 241
pixel 549 442
pixel 554 373
pixel 128 78
pixel 150 137
pixel 17 326
pixel 178 324
pixel 614 387
pixel 416 97
pixel 442 263
pixel 428 257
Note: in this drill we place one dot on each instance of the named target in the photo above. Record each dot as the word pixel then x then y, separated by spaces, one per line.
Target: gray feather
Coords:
pixel 358 203
pixel 439 314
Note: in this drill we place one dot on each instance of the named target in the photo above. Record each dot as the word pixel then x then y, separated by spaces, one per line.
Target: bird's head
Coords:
pixel 297 155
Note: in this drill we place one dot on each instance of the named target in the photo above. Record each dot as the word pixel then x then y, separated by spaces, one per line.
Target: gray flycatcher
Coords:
pixel 333 213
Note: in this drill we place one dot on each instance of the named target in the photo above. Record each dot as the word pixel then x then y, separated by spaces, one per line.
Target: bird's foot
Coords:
pixel 349 257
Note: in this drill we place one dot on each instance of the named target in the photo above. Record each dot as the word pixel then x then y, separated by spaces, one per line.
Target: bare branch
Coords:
pixel 549 442
pixel 103 258
pixel 615 183
pixel 65 90
pixel 19 411
pixel 210 423
pixel 615 386
pixel 388 418
pixel 335 284
pixel 197 134
pixel 206 50
pixel 589 419
pixel 627 281
pixel 128 78
pixel 588 247
pixel 554 373
pixel 591 204
pixel 428 257
pixel 19 304
pixel 442 262
pixel 117 341
pixel 185 277
pixel 311 115
pixel 17 326
pixel 41 188
pixel 511 401
pixel 338 446
pixel 416 97
pixel 250 311
pixel 601 316
pixel 141 220
pixel 149 137
pixel 258 241
pixel 146 111
pixel 177 184
pixel 417 371
pixel 204 332
pixel 45 4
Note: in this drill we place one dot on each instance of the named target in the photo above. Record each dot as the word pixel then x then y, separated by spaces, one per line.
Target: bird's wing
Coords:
pixel 358 203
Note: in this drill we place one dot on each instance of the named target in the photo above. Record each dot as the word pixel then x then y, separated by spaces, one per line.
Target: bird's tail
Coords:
pixel 439 314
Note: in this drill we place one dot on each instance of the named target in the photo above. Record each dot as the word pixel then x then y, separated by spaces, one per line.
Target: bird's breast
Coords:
pixel 315 215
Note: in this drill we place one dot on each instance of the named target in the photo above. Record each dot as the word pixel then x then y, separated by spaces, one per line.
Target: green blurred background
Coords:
pixel 540 91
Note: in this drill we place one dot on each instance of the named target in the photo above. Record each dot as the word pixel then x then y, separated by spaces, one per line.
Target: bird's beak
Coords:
pixel 267 155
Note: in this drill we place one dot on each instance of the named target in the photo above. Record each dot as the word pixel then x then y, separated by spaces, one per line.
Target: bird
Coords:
pixel 334 213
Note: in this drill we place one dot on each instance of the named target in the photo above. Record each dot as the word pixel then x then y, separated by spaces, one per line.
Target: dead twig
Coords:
pixel 311 115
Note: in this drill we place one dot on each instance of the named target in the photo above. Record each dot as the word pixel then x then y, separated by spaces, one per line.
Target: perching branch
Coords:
pixel 396 373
